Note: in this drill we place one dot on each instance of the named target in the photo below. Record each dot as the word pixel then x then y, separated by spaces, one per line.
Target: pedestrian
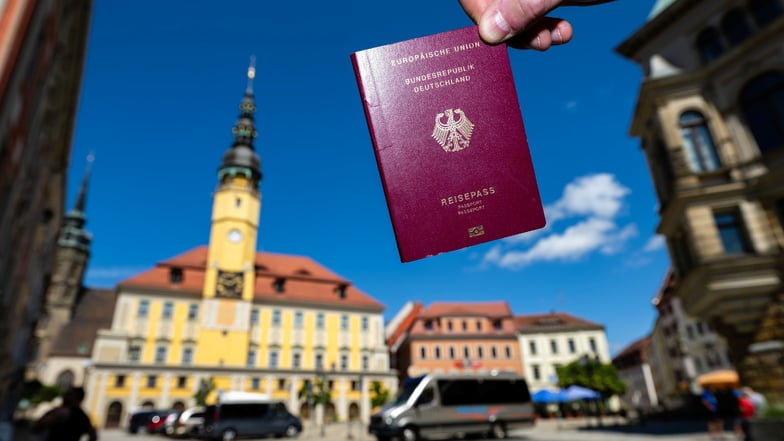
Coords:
pixel 757 399
pixel 715 423
pixel 522 23
pixel 67 422
pixel 746 414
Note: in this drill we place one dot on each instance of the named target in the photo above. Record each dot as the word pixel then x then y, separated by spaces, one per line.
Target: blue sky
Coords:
pixel 161 88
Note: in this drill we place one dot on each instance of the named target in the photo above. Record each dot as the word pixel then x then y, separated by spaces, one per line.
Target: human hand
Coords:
pixel 522 23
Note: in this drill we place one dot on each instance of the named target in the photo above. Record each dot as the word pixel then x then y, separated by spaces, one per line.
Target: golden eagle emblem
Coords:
pixel 453 135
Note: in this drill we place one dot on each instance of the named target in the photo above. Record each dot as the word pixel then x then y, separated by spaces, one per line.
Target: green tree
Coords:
pixel 206 386
pixel 593 374
pixel 379 395
pixel 36 393
pixel 315 393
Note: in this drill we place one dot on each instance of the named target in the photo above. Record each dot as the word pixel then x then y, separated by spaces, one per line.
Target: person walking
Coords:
pixel 746 414
pixel 715 423
pixel 67 422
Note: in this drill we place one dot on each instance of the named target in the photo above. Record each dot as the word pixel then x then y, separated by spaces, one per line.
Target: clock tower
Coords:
pixel 230 275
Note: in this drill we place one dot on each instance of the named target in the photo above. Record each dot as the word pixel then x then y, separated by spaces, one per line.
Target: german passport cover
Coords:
pixel 449 141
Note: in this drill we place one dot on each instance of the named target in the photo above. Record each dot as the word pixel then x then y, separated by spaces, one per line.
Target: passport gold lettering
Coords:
pixel 443 83
pixel 420 56
pixel 467 196
pixel 465 47
pixel 439 74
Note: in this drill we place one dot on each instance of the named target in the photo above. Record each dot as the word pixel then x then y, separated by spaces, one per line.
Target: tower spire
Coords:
pixel 241 159
pixel 81 200
pixel 73 233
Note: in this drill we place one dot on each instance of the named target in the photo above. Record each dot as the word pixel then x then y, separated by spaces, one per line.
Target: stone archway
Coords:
pixel 65 379
pixel 148 405
pixel 113 415
pixel 329 413
pixel 179 406
pixel 304 411
pixel 353 412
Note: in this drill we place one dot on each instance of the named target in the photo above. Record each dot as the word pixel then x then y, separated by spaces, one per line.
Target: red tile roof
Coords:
pixel 306 281
pixel 467 309
pixel 554 321
pixel 637 351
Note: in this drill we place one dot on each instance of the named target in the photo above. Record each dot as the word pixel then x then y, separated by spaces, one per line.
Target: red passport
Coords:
pixel 449 140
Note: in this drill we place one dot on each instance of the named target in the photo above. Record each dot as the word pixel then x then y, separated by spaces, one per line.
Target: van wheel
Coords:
pixel 291 431
pixel 409 434
pixel 229 435
pixel 498 431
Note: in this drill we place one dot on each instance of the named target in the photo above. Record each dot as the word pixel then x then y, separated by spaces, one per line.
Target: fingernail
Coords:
pixel 495 29
pixel 556 37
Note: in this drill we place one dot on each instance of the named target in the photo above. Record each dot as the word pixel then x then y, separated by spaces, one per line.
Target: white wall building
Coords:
pixel 635 370
pixel 548 341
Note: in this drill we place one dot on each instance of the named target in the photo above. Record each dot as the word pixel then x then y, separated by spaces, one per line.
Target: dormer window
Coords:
pixel 279 284
pixel 175 275
pixel 429 325
pixel 497 325
pixel 341 290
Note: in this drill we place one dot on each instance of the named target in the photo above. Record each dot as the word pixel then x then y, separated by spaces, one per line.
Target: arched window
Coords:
pixel 698 142
pixel 762 102
pixel 765 11
pixel 735 26
pixel 709 45
pixel 65 380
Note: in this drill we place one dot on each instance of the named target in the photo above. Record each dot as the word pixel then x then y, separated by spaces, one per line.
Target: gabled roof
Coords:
pixel 94 311
pixel 553 322
pixel 636 351
pixel 305 280
pixel 401 330
pixel 467 309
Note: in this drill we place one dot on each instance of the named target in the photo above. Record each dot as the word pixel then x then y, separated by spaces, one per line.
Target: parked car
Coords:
pixel 139 419
pixel 157 422
pixel 229 420
pixel 187 423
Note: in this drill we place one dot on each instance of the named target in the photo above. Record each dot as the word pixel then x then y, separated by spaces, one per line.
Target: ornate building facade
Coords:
pixel 682 350
pixel 65 288
pixel 447 337
pixel 42 52
pixel 710 117
pixel 247 321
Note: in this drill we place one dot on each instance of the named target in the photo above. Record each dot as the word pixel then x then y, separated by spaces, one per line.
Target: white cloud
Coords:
pixel 654 243
pixel 592 203
pixel 593 195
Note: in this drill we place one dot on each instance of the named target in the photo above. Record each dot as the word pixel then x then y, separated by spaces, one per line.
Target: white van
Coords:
pixel 442 405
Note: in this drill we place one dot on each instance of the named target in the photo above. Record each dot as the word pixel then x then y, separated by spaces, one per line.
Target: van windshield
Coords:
pixel 409 386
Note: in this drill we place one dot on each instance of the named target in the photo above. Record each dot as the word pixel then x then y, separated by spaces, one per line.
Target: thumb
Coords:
pixel 504 19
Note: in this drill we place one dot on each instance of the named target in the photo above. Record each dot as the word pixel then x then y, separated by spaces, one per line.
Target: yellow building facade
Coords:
pixel 244 320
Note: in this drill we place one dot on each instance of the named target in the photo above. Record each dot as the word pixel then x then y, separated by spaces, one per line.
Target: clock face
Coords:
pixel 229 284
pixel 235 236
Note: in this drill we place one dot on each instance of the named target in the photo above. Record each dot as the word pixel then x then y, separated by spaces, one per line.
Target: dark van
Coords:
pixel 231 420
